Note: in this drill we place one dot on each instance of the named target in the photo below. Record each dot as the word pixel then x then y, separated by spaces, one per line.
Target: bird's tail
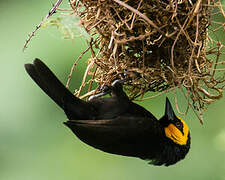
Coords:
pixel 51 85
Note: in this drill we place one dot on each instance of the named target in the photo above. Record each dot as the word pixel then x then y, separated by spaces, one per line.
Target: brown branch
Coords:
pixel 140 14
pixel 73 67
pixel 51 12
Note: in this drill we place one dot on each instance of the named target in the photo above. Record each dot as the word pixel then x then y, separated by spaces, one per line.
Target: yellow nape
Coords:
pixel 176 135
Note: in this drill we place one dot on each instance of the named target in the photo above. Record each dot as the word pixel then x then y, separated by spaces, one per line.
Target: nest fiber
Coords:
pixel 158 45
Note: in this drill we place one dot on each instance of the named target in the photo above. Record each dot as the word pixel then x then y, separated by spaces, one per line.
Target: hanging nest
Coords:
pixel 159 45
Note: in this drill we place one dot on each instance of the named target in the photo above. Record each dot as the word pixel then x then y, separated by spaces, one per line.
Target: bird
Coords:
pixel 115 124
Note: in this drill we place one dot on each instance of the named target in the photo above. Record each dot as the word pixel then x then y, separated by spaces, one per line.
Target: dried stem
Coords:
pixel 51 12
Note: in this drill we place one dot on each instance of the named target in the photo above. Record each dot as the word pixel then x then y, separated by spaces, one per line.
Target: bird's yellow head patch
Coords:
pixel 178 132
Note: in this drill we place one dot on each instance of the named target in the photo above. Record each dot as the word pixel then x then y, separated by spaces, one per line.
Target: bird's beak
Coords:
pixel 169 113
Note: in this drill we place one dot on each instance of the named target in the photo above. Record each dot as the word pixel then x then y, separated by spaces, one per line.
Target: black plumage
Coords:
pixel 115 124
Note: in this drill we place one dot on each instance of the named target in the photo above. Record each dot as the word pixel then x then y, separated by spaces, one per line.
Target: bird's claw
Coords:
pixel 119 82
pixel 104 91
pixel 107 90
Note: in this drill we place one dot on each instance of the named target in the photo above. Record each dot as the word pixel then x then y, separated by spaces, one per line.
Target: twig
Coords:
pixel 159 94
pixel 198 114
pixel 90 93
pixel 74 64
pixel 51 12
pixel 221 9
pixel 92 80
pixel 140 14
pixel 217 58
pixel 194 46
pixel 174 43
pixel 176 102
pixel 90 66
pixel 195 12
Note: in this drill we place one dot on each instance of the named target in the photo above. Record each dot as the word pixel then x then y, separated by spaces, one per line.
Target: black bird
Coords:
pixel 115 124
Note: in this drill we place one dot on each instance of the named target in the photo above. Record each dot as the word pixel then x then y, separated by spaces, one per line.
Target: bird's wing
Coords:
pixel 129 136
pixel 122 127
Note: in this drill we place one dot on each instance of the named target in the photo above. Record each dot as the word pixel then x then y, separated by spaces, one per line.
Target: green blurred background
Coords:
pixel 34 144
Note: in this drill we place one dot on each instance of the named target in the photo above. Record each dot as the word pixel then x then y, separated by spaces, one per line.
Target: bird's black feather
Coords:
pixel 115 124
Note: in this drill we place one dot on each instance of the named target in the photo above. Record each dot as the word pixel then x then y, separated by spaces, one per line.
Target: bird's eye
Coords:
pixel 178 125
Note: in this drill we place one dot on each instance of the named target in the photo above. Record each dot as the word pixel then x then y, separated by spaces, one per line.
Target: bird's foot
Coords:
pixel 119 82
pixel 104 91
pixel 107 90
pixel 126 76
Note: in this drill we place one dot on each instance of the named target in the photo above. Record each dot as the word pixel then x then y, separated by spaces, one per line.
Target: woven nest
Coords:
pixel 159 45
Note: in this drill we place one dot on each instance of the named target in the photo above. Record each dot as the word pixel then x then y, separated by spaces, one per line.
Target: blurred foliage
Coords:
pixel 35 145
pixel 67 25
